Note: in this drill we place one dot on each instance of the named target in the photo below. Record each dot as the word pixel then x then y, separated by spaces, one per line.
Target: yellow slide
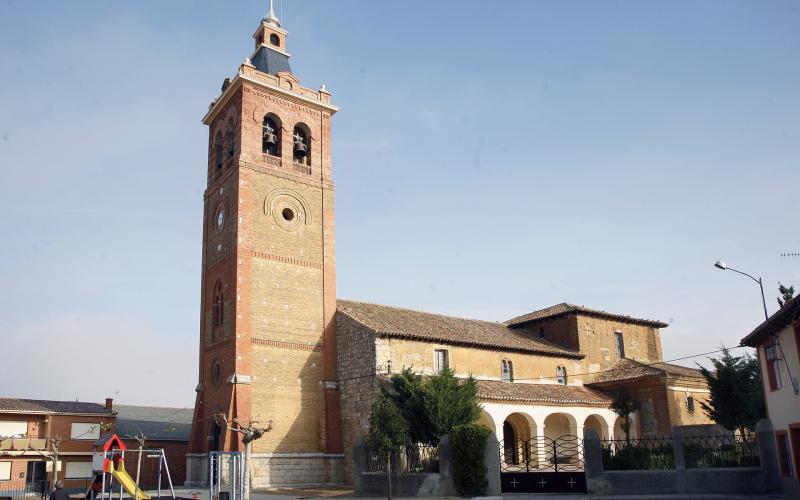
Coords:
pixel 125 480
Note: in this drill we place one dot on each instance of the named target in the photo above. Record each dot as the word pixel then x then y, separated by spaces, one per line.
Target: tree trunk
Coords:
pixel 246 486
pixel 138 470
pixel 389 475
pixel 627 428
pixel 55 468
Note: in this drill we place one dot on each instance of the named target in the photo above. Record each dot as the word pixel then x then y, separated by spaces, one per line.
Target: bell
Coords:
pixel 300 149
pixel 270 138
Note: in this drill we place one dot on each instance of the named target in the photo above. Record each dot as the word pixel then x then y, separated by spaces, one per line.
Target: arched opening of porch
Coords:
pixel 619 433
pixel 597 423
pixel 559 424
pixel 488 421
pixel 518 429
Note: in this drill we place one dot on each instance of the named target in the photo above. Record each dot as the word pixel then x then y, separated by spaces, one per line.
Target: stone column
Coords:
pixel 542 450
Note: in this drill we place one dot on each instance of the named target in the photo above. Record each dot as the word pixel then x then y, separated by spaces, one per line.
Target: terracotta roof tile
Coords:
pixel 541 393
pixel 406 323
pixel 16 405
pixel 565 308
pixel 628 369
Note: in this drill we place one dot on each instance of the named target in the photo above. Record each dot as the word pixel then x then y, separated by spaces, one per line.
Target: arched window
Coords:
pixel 229 138
pixel 275 40
pixel 507 371
pixel 271 137
pixel 561 375
pixel 217 311
pixel 302 146
pixel 218 150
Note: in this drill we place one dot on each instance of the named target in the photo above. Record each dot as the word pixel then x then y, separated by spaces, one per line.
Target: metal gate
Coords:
pixel 542 465
pixel 225 475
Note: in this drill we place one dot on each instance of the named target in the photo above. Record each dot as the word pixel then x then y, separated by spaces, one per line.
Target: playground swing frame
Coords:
pixel 108 458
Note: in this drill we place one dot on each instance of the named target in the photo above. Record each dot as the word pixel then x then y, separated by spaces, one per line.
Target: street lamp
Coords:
pixel 721 265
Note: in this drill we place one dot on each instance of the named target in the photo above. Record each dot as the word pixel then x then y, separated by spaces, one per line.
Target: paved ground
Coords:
pixel 332 492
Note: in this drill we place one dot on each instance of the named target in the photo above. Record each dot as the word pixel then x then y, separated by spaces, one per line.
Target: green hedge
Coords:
pixel 469 468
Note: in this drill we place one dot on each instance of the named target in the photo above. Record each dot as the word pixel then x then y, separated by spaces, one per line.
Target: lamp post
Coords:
pixel 721 265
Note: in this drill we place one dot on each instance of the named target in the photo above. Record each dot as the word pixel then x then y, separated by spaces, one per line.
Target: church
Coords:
pixel 276 344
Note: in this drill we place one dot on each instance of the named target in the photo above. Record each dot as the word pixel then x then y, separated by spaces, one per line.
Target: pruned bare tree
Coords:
pixel 250 433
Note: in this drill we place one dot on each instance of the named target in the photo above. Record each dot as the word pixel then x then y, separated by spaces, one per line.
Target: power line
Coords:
pixel 578 374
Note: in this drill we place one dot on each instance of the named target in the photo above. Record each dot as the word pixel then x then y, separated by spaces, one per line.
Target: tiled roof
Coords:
pixel 406 323
pixel 16 405
pixel 785 315
pixel 565 308
pixel 556 394
pixel 156 423
pixel 628 369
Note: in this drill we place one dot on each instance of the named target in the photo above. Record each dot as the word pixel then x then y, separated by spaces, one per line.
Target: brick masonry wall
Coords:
pixel 175 452
pixel 279 276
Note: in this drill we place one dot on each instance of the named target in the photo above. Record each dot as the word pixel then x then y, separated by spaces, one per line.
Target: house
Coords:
pixel 777 344
pixel 163 428
pixel 27 428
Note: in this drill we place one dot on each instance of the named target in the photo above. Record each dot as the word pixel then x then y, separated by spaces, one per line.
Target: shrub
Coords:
pixel 469 468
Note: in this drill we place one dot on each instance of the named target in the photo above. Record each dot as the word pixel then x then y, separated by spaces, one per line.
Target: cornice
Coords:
pixel 236 84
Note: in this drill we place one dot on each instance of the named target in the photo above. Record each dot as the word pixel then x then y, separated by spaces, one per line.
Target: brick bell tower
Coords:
pixel 268 291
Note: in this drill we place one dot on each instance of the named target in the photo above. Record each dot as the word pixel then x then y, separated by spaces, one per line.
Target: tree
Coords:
pixel 388 433
pixel 787 293
pixel 624 404
pixel 250 433
pixel 450 402
pixel 736 400
pixel 433 405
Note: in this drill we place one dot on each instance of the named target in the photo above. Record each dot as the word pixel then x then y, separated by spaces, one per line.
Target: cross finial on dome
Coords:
pixel 271 17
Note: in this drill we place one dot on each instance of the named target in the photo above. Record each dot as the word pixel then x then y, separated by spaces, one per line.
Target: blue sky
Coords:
pixel 490 159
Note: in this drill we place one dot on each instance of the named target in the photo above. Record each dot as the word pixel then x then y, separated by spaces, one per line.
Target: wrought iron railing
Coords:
pixel 637 454
pixel 415 458
pixel 544 454
pixel 722 450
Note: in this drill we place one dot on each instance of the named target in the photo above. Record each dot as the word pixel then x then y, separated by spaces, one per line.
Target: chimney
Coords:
pixel 109 404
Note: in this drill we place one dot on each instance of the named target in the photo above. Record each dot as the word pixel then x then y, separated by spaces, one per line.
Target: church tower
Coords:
pixel 268 292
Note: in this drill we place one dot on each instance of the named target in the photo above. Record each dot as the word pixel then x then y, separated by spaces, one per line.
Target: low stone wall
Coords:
pixel 276 469
pixel 439 484
pixel 426 484
pixel 680 480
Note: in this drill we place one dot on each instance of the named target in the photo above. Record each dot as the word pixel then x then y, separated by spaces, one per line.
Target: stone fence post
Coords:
pixel 768 454
pixel 592 454
pixel 447 483
pixel 678 457
pixel 491 459
pixel 359 465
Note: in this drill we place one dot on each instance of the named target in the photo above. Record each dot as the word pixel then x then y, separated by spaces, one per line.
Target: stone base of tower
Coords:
pixel 276 469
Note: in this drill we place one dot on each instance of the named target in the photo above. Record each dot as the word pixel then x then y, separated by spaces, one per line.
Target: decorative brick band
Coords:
pixel 288 345
pixel 286 260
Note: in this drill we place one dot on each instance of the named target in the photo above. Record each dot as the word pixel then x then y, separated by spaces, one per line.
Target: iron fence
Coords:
pixel 415 458
pixel 41 489
pixel 723 450
pixel 637 454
